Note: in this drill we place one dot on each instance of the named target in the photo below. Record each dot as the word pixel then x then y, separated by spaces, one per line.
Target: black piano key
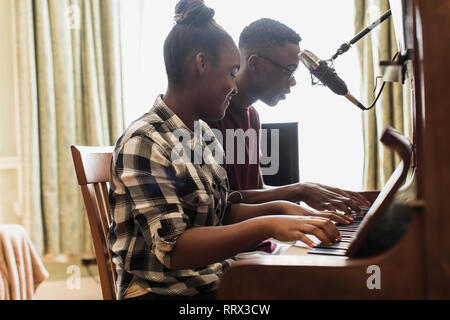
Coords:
pixel 334 252
pixel 346 240
pixel 365 209
pixel 348 234
pixel 336 245
pixel 347 229
pixel 345 232
pixel 353 224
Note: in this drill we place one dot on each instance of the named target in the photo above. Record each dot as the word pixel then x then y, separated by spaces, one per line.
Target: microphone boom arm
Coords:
pixel 346 46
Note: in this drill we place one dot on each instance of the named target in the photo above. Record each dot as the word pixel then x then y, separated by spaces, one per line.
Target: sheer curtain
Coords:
pixel 330 129
pixel 393 108
pixel 70 92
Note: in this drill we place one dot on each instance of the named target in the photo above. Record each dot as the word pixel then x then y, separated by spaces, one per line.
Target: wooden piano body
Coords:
pixel 417 265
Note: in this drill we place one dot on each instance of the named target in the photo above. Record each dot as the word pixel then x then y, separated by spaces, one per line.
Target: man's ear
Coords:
pixel 201 63
pixel 254 63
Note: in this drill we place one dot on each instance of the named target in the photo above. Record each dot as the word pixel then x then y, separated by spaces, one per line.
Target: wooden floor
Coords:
pixel 59 290
pixel 60 284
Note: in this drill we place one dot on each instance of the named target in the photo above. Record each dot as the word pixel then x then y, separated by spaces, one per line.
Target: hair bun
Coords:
pixel 193 12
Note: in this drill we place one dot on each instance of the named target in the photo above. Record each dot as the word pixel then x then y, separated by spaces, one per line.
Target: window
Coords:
pixel 330 129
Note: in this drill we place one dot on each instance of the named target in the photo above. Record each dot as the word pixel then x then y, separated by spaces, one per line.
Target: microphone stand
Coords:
pixel 346 46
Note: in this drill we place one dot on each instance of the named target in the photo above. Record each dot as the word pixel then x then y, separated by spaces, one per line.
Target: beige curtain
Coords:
pixel 392 109
pixel 70 93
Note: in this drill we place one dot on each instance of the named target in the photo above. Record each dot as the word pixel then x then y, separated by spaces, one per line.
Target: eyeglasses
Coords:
pixel 288 72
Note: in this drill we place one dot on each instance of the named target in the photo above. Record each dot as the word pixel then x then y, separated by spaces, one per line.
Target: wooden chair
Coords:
pixel 92 165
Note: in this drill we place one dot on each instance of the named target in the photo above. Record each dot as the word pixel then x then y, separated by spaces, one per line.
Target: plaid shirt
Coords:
pixel 154 199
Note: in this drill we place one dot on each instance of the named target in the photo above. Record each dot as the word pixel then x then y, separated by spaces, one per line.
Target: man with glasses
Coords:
pixel 269 58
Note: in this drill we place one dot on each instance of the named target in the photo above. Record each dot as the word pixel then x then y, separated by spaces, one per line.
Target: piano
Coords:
pixel 405 234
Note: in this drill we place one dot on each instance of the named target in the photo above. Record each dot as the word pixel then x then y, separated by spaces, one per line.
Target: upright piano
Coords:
pixel 405 236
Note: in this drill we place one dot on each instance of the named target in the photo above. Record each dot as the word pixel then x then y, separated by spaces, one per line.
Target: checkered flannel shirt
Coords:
pixel 154 199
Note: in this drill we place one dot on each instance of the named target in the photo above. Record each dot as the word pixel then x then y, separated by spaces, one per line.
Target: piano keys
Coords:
pixel 339 248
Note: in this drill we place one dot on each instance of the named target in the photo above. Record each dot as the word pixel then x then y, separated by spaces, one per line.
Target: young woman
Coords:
pixel 174 229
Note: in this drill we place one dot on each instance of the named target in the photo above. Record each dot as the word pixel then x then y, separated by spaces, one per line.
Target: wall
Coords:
pixel 9 154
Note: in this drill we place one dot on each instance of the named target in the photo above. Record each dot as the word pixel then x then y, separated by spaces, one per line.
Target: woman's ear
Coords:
pixel 201 63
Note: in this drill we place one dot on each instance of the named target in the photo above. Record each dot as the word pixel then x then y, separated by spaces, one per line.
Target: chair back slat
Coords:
pixel 101 208
pixel 102 194
pixel 92 166
pixel 104 186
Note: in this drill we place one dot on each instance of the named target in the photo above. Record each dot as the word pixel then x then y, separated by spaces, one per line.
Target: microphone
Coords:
pixel 326 74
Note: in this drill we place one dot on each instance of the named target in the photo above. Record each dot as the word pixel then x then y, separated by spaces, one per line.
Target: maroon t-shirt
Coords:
pixel 244 176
